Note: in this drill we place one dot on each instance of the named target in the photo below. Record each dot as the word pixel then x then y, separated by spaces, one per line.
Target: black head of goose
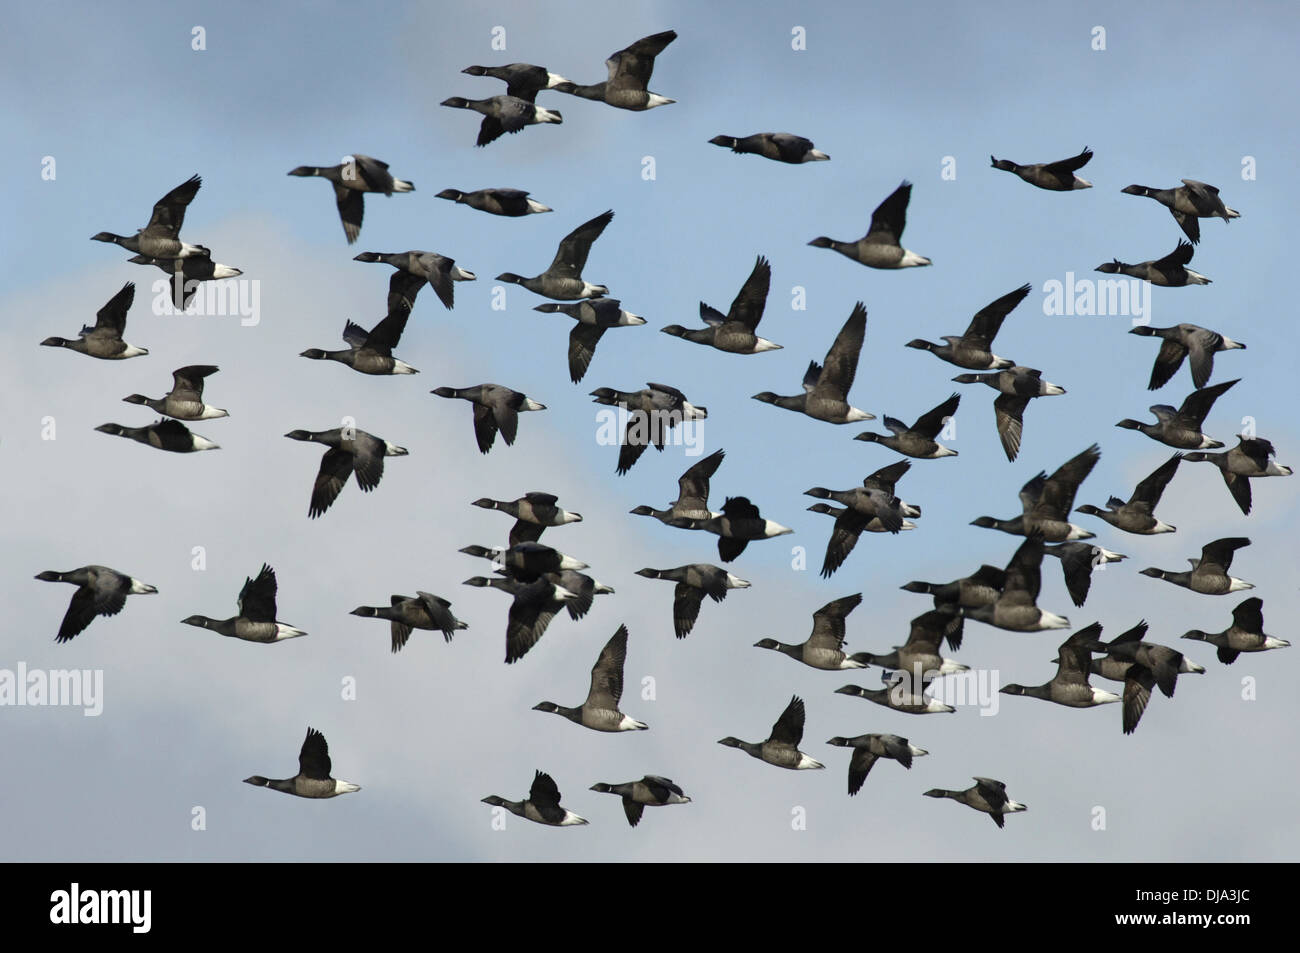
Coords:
pixel 352 178
pixel 826 385
pixel 972 349
pixel 740 523
pixel 185 400
pixel 100 591
pixel 170 435
pixel 256 620
pixel 650 791
pixel 1183 341
pixel 313 779
pixel 523 80
pixel 1169 272
pixel 511 203
pixel 563 280
pixel 1194 200
pixel 1181 427
pixel 103 339
pixel 1137 514
pixel 187 274
pixel 1070 686
pixel 1248 460
pixel 371 352
pixel 824 648
pixel 868 749
pixel 736 331
pixel 630 70
pixel 351 451
pixel 594 316
pixel 782 746
pixel 542 806
pixel 160 238
pixel 533 513
pixel 600 711
pixel 421 611
pixel 1058 176
pixel 1246 634
pixel 533 606
pixel 692 501
pixel 987 795
pixel 502 114
pixel 1209 574
pixel 496 409
pixel 918 440
pixel 693 583
pixel 777 146
pixel 1016 387
pixel 414 269
pixel 880 247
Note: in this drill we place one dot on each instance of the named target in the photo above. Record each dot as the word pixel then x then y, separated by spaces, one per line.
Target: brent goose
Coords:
pixel 650 791
pixel 692 501
pixel 918 440
pixel 502 114
pixel 652 411
pixel 1070 685
pixel 414 268
pixel 826 386
pixel 159 239
pixel 185 400
pixel 352 178
pixel 527 560
pixel 873 508
pixel 187 273
pixel 1016 607
pixel 1248 460
pixel 170 435
pixel 100 591
pixel 694 582
pixel 987 795
pixel 629 76
pixel 600 711
pixel 523 80
pixel 1078 560
pixel 919 656
pixel 980 588
pixel 901 693
pixel 371 352
pixel 1047 501
pixel 421 611
pixel 824 648
pixel 1016 386
pixel 1137 516
pixel 1246 634
pixel 594 316
pixel 734 332
pixel 533 513
pixel 778 146
pixel 256 620
pixel 350 451
pixel 103 339
pixel 512 203
pixel 1182 341
pixel 1209 574
pixel 1140 665
pixel 313 777
pixel 542 804
pixel 563 279
pixel 1195 200
pixel 739 523
pixel 532 608
pixel 584 588
pixel 880 247
pixel 1053 176
pixel 495 408
pixel 868 749
pixel 782 746
pixel 972 349
pixel 1169 272
pixel 1181 428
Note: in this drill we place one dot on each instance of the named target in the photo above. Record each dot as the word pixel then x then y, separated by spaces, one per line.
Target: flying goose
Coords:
pixel 1078 560
pixel 523 80
pixel 1047 501
pixel 777 146
pixel 652 411
pixel 352 178
pixel 1209 574
pixel 1248 460
pixel 527 560
pixel 533 606
pixel 880 247
pixel 972 349
pixel 533 513
pixel 159 239
pixel 826 386
pixel 1016 608
pixel 185 400
pixel 511 203
pixel 502 114
pixel 739 523
pixel 421 611
pixel 594 316
pixel 734 332
pixel 868 501
pixel 542 805
pixel 1181 428
pixel 350 451
pixel 563 280
pixel 600 711
pixel 256 620
pixel 1016 387
pixel 313 777
pixel 901 693
pixel 187 273
pixel 692 501
pixel 824 648
pixel 414 268
pixel 987 795
pixel 918 440
pixel 629 76
pixel 1070 685
pixel 1246 634
pixel 170 435
pixel 495 408
pixel 650 791
pixel 1140 665
pixel 1058 176
pixel 1168 272
pixel 919 656
pixel 371 352
pixel 874 508
pixel 103 339
pixel 584 588
pixel 100 591
pixel 1137 515
pixel 693 583
pixel 980 588
pixel 1182 341
pixel 868 749
pixel 782 746
pixel 1193 201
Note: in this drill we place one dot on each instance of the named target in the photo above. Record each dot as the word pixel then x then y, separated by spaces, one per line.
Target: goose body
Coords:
pixel 972 350
pixel 1190 342
pixel 988 796
pixel 1137 515
pixel 868 749
pixel 880 247
pixel 736 331
pixel 542 806
pixel 313 779
pixel 1016 608
pixel 1181 427
pixel 352 179
pixel 1249 460
pixel 351 451
pixel 256 620
pixel 918 440
pixel 781 749
pixel 511 203
pixel 652 412
pixel 1070 686
pixel 1016 387
pixel 1193 201
pixel 1058 176
pixel 692 501
pixel 371 352
pixel 421 611
pixel 777 146
pixel 415 269
pixel 161 237
pixel 1209 574
pixel 693 583
pixel 563 280
pixel 1168 272
pixel 1246 634
pixel 185 400
pixel 630 70
pixel 1046 502
pixel 826 386
pixel 496 409
pixel 595 316
pixel 533 605
pixel 103 339
pixel 600 711
pixel 100 591
pixel 740 523
pixel 824 648
pixel 170 435
pixel 650 791
pixel 502 114
pixel 533 513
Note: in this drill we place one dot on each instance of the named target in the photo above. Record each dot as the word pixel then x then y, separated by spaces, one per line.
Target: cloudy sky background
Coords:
pixel 128 110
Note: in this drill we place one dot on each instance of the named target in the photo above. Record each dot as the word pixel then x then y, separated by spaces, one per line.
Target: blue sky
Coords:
pixel 128 110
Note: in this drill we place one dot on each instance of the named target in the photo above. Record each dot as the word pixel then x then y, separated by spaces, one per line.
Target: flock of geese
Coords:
pixel 543 582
